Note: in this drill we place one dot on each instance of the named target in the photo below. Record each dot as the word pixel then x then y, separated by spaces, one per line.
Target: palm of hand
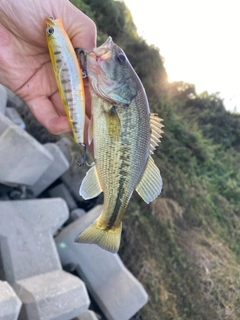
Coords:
pixel 27 70
pixel 25 65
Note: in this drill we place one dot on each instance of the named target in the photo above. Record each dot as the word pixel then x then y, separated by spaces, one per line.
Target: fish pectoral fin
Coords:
pixel 156 131
pixel 106 239
pixel 90 187
pixel 150 185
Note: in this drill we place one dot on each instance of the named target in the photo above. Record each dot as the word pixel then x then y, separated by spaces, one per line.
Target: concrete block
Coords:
pixel 13 99
pixel 10 304
pixel 59 165
pixel 76 214
pixel 62 191
pixel 23 159
pixel 31 264
pixel 26 236
pixel 56 295
pixel 73 177
pixel 3 99
pixel 5 122
pixel 65 145
pixel 116 291
pixel 89 315
pixel 15 117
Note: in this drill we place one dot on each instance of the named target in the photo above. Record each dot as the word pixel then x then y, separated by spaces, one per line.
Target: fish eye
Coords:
pixel 50 31
pixel 121 58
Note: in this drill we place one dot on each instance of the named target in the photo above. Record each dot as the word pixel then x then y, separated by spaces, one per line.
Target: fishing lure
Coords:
pixel 69 77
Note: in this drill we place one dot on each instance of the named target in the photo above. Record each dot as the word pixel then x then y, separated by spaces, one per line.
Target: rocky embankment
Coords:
pixel 43 273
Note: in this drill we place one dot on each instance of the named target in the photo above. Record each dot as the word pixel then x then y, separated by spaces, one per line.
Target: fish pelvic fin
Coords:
pixel 107 239
pixel 90 187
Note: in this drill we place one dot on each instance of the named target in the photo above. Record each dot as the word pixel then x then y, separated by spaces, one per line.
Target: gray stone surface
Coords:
pixel 10 304
pixel 26 236
pixel 15 117
pixel 14 99
pixel 65 145
pixel 5 122
pixel 59 165
pixel 56 295
pixel 30 260
pixel 3 99
pixel 62 191
pixel 23 159
pixel 116 291
pixel 73 180
pixel 89 315
pixel 76 214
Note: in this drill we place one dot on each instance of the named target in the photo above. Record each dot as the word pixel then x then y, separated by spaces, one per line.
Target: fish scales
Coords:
pixel 125 134
pixel 120 167
pixel 68 76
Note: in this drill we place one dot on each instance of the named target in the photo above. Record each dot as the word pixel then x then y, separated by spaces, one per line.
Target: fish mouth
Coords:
pixel 104 51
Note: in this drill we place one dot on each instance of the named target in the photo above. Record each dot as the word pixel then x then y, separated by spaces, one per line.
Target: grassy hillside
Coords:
pixel 185 246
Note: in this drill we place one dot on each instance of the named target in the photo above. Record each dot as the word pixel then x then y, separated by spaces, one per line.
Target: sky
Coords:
pixel 199 41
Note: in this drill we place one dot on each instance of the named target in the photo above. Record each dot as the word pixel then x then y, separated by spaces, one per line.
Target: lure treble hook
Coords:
pixel 83 160
pixel 82 58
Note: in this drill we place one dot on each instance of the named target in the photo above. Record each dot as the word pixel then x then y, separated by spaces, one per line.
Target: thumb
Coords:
pixel 43 110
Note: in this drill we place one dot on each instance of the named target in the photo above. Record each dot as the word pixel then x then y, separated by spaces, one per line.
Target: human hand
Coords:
pixel 25 65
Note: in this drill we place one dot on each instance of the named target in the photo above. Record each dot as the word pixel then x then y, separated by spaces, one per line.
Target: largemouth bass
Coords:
pixel 68 76
pixel 125 135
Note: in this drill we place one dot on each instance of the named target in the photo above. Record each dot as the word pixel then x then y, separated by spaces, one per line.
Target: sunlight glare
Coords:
pixel 198 40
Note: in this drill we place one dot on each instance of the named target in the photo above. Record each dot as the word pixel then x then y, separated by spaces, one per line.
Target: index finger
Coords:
pixel 80 28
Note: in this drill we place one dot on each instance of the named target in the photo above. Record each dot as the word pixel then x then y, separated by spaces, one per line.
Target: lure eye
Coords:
pixel 50 31
pixel 121 58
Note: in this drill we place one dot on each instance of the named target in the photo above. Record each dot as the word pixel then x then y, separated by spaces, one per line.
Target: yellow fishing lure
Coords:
pixel 68 76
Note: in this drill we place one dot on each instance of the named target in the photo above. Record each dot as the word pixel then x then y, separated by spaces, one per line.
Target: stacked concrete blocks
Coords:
pixel 89 315
pixel 31 263
pixel 29 260
pixel 10 304
pixel 23 160
pixel 58 166
pixel 62 191
pixel 117 292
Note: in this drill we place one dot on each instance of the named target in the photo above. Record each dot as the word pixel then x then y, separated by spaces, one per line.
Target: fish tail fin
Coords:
pixel 107 239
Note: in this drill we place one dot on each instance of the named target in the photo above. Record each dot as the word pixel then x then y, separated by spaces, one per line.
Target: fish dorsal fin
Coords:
pixel 90 187
pixel 150 185
pixel 156 131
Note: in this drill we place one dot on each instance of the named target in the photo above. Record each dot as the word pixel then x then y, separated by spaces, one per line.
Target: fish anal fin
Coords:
pixel 107 239
pixel 90 187
pixel 150 185
pixel 156 131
